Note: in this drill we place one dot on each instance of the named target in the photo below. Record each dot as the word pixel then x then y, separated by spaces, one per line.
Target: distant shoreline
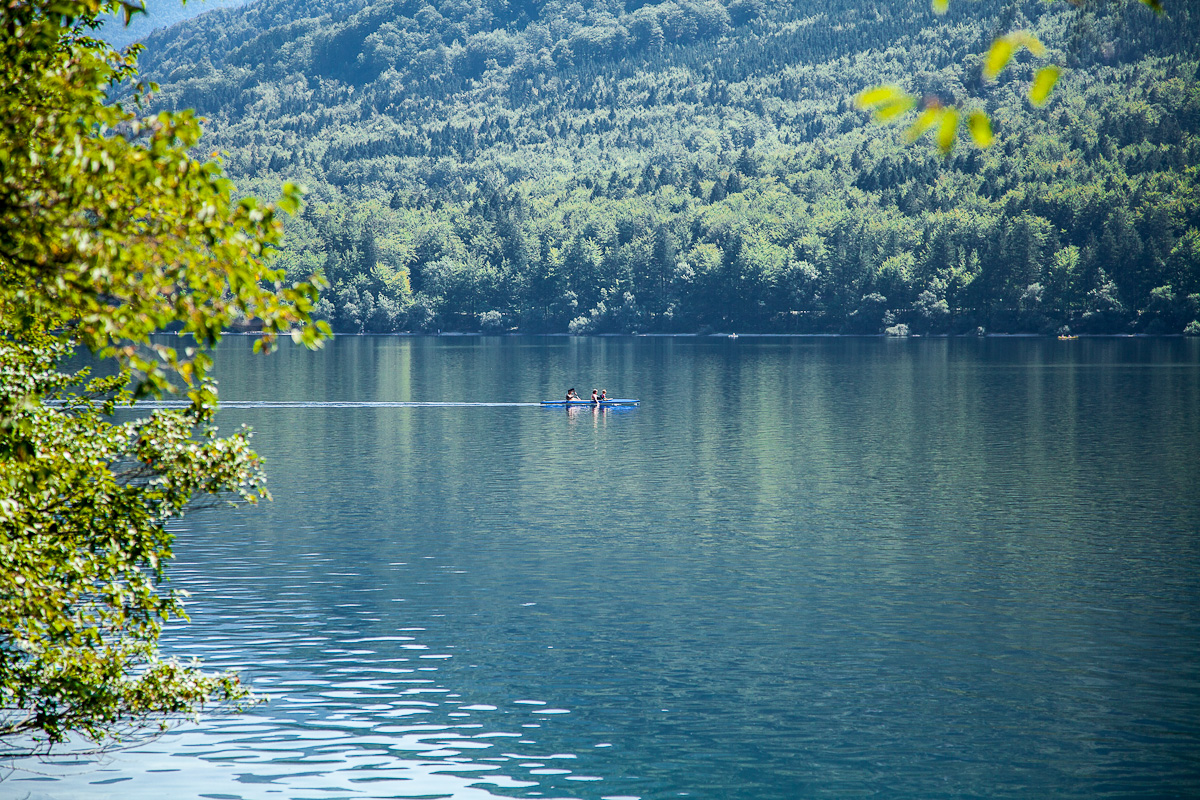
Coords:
pixel 734 335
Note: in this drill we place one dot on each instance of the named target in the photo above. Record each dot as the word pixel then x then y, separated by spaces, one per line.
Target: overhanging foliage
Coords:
pixel 110 232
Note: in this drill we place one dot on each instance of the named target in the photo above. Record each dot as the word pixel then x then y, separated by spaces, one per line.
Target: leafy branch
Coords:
pixel 110 232
pixel 889 103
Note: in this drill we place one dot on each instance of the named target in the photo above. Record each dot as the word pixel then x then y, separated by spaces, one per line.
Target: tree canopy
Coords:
pixel 110 233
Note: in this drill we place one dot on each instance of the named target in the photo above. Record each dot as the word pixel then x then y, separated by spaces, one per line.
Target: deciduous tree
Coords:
pixel 110 233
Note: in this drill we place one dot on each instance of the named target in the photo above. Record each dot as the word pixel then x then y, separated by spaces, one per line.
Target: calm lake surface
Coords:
pixel 801 568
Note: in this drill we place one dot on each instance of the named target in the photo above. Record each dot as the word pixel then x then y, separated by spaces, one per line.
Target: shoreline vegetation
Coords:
pixel 744 335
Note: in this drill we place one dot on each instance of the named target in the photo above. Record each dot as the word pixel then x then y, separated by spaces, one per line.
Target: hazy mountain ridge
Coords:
pixel 159 14
pixel 606 166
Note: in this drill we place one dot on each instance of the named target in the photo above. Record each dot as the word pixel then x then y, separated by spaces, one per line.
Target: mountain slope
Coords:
pixel 686 164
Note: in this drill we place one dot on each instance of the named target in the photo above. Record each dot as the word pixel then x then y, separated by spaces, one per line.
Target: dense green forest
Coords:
pixel 689 165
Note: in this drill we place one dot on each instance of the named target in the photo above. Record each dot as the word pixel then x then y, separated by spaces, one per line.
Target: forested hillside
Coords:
pixel 700 164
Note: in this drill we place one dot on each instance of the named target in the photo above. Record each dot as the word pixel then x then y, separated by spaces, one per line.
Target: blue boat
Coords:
pixel 590 403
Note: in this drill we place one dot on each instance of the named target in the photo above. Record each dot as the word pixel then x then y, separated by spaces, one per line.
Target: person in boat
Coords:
pixel 595 397
pixel 571 395
pixel 603 395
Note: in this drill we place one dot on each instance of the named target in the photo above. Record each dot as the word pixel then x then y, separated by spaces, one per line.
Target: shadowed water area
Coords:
pixel 801 568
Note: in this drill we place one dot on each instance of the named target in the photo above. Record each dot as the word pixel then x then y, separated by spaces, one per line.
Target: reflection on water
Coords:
pixel 932 568
pixel 345 707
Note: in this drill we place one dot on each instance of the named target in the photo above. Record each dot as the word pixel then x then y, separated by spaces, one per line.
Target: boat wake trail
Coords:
pixel 250 404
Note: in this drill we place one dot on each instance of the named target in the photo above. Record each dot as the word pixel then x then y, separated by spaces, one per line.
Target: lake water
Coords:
pixel 801 568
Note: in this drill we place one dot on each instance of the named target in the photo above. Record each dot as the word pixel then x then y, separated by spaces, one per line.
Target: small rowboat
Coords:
pixel 590 403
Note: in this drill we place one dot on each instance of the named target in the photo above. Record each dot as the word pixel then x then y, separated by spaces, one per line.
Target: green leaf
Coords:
pixel 1043 85
pixel 128 9
pixel 1154 4
pixel 1005 47
pixel 888 102
pixel 924 122
pixel 940 6
pixel 877 95
pixel 980 127
pixel 998 56
pixel 897 108
pixel 1029 41
pixel 947 132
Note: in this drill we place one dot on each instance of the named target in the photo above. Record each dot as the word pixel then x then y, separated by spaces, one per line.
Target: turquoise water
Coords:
pixel 801 568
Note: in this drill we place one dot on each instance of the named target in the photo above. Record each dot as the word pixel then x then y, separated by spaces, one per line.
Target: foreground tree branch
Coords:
pixel 892 104
pixel 111 232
